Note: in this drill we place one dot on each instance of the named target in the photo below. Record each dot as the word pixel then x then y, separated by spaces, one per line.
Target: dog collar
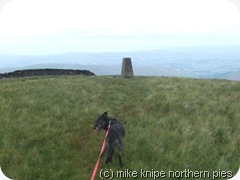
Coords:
pixel 109 124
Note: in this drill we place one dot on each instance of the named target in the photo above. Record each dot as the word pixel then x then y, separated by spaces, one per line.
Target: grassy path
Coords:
pixel 171 124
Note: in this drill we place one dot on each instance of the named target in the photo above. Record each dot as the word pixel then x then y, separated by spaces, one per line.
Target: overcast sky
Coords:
pixel 60 26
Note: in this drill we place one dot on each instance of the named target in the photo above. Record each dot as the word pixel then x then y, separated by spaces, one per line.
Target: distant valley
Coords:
pixel 218 62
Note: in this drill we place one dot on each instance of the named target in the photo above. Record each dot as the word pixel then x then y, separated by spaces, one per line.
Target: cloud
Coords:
pixel 2 3
pixel 43 24
pixel 236 2
pixel 119 17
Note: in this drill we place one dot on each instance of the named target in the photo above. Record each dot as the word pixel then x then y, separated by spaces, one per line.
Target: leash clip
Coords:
pixel 109 124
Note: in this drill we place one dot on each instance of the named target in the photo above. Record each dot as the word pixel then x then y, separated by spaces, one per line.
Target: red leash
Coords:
pixel 102 149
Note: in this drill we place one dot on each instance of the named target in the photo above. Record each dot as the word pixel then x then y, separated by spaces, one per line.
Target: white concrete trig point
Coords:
pixel 127 69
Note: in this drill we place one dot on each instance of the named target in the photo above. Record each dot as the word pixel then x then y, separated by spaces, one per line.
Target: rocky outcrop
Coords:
pixel 45 72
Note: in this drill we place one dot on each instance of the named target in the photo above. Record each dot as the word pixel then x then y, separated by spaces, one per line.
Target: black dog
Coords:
pixel 115 136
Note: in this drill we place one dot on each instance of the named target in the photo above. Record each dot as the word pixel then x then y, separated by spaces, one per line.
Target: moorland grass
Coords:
pixel 173 124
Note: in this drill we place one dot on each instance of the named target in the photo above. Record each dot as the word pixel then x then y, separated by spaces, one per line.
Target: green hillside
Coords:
pixel 172 124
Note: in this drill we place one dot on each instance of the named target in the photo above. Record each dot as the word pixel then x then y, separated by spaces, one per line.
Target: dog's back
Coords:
pixel 115 136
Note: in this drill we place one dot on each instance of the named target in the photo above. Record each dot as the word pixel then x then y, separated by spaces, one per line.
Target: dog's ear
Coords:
pixel 104 114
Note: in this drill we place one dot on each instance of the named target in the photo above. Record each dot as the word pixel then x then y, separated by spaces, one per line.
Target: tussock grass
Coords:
pixel 171 124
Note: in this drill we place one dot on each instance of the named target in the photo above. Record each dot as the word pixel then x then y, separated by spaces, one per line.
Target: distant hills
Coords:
pixel 214 62
pixel 234 76
pixel 111 69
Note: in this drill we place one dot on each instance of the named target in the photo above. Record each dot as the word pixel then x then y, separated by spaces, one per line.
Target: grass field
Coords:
pixel 172 124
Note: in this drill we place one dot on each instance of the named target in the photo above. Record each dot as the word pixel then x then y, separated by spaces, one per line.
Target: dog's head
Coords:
pixel 101 122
